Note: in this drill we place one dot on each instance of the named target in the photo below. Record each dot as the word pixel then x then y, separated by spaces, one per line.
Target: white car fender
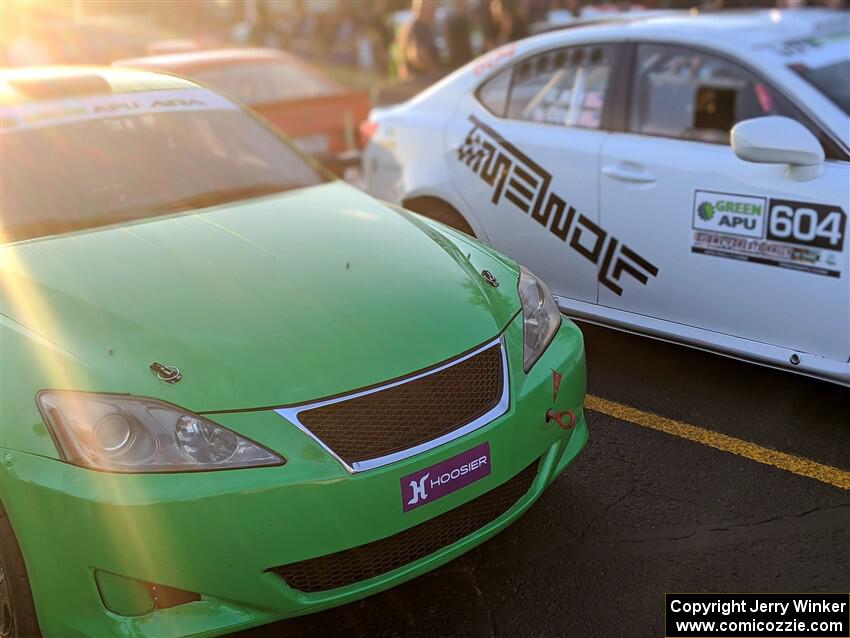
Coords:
pixel 389 172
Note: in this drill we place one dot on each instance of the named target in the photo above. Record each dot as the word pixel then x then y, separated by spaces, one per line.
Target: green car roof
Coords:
pixel 30 84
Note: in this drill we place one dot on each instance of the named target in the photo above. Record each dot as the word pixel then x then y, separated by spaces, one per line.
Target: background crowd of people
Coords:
pixel 390 39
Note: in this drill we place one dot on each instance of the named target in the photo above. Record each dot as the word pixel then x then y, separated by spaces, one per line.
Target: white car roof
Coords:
pixel 757 30
pixel 770 39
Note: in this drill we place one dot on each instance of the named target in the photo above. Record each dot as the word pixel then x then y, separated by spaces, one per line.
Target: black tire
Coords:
pixel 440 211
pixel 17 609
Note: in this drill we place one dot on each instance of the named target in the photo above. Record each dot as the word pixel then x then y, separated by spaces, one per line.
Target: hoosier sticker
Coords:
pixel 443 478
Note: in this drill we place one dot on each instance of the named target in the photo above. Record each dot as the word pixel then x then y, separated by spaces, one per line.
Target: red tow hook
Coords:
pixel 558 417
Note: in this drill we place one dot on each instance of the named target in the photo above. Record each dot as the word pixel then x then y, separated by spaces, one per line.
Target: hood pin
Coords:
pixel 167 374
pixel 490 278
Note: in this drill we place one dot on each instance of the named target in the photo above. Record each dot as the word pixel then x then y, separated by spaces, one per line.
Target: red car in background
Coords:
pixel 317 112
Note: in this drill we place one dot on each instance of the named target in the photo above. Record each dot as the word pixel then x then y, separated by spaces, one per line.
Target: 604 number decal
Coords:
pixel 806 224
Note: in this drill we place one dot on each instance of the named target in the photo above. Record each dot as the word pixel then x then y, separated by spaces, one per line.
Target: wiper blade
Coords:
pixel 59 225
pixel 219 196
pixel 44 228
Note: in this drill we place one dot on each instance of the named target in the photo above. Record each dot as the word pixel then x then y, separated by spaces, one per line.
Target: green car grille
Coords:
pixel 402 415
pixel 379 557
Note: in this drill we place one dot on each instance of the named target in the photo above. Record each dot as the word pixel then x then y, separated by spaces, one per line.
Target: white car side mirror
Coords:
pixel 779 140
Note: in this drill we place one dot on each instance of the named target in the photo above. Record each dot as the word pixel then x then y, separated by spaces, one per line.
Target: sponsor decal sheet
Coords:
pixel 782 233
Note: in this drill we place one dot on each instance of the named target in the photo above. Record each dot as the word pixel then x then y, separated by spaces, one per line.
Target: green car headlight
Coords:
pixel 541 317
pixel 121 433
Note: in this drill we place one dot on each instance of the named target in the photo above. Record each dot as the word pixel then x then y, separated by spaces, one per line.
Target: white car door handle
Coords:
pixel 628 172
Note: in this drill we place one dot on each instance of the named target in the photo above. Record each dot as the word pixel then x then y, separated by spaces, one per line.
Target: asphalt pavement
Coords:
pixel 642 512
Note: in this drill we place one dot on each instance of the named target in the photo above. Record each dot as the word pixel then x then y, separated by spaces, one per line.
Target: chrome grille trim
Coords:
pixel 291 413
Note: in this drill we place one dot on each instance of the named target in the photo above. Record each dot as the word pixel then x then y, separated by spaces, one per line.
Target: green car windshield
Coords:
pixel 92 170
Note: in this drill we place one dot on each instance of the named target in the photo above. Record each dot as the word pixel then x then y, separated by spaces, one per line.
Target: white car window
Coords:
pixel 832 79
pixel 493 94
pixel 564 87
pixel 264 82
pixel 692 95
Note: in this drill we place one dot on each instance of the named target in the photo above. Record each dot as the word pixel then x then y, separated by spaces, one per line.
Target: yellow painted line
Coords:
pixel 767 456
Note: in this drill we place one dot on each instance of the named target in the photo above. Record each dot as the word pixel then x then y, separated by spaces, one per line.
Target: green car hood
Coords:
pixel 269 301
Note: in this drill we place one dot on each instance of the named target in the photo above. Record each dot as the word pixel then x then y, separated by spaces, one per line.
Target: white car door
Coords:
pixel 524 156
pixel 742 249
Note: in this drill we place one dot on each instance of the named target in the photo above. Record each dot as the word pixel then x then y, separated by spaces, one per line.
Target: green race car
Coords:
pixel 235 390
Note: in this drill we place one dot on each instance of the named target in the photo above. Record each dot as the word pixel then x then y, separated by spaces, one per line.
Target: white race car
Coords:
pixel 601 157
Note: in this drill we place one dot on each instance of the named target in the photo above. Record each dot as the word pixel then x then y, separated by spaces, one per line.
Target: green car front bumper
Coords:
pixel 90 537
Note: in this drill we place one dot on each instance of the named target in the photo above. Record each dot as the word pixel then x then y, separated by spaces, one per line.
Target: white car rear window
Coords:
pixel 264 82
